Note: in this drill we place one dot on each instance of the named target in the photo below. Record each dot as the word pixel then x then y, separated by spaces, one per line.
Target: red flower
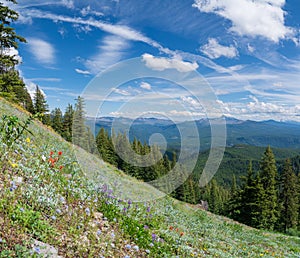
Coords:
pixel 61 167
pixel 59 153
pixel 171 228
pixel 51 153
pixel 181 234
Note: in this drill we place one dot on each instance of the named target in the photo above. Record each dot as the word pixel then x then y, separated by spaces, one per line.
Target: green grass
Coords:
pixel 86 208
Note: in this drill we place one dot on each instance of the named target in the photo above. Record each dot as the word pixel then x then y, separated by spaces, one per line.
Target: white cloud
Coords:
pixel 162 63
pixel 68 3
pixel 88 11
pixel 31 88
pixel 111 51
pixel 13 52
pixel 215 50
pixel 250 48
pixel 43 51
pixel 256 109
pixel 145 85
pixel 264 18
pixel 122 92
pixel 82 71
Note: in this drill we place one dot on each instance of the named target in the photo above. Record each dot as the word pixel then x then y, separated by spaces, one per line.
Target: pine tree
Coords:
pixel 68 123
pixel 289 202
pixel 79 129
pixel 41 106
pixel 57 120
pixel 247 204
pixel 268 199
pixel 9 38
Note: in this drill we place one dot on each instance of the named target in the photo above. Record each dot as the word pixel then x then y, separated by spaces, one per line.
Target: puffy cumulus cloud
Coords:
pixel 162 63
pixel 145 85
pixel 254 109
pixel 215 50
pixel 263 18
pixel 43 51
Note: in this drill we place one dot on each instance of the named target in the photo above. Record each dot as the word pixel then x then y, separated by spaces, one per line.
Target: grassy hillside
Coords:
pixel 87 209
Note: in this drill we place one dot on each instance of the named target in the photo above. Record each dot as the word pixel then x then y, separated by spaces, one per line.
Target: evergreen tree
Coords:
pixel 41 106
pixel 68 123
pixel 57 120
pixel 79 129
pixel 268 195
pixel 248 204
pixel 9 38
pixel 289 202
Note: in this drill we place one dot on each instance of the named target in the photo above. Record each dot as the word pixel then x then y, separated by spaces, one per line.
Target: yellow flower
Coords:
pixel 14 165
pixel 28 140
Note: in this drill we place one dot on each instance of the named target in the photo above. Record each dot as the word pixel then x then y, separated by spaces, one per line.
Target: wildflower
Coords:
pixel 13 186
pixel 112 235
pixel 148 209
pixel 59 153
pixel 53 217
pixel 146 227
pixel 58 211
pixel 126 256
pixel 171 227
pixel 61 167
pixel 129 202
pixel 87 211
pixel 151 244
pixel 181 234
pixel 99 232
pixel 51 153
pixel 153 237
pixel 128 246
pixel 28 140
pixel 13 165
pixel 147 251
pixel 37 250
pixel 21 209
pixel 136 248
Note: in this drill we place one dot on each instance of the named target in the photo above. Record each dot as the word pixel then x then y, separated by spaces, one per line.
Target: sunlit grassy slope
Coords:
pixel 60 195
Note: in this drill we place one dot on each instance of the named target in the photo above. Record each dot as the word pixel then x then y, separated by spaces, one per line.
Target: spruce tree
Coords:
pixel 268 196
pixel 41 106
pixel 289 202
pixel 57 120
pixel 248 202
pixel 9 38
pixel 79 129
pixel 68 123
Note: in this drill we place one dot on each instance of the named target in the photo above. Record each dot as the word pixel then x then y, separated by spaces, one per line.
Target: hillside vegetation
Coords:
pixel 46 197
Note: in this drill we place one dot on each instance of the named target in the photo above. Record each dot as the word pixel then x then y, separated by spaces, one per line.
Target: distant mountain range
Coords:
pixel 262 133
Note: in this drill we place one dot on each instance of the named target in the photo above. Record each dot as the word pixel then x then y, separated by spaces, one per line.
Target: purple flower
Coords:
pixel 153 237
pixel 129 202
pixel 148 209
pixel 128 246
pixel 146 227
pixel 87 211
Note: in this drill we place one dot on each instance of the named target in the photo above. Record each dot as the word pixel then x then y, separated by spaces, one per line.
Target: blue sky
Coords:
pixel 247 50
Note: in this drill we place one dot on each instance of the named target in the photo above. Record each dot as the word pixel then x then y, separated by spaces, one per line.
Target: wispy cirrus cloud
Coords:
pixel 84 72
pixel 42 51
pixel 111 50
